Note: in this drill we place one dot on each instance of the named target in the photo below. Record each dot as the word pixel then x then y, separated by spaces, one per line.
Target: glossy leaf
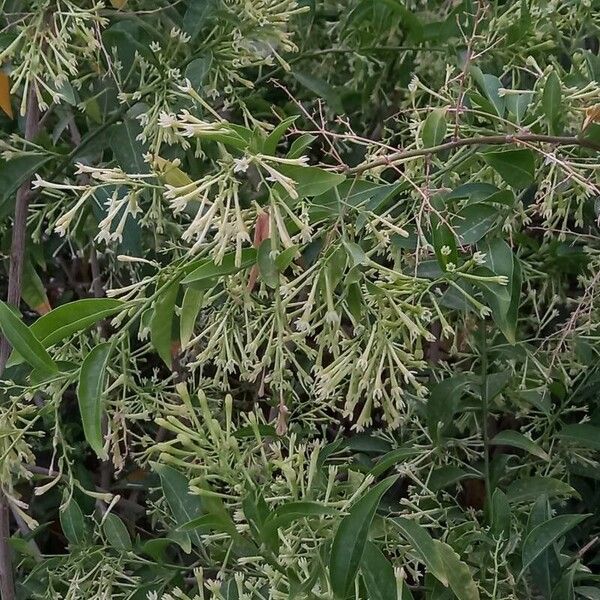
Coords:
pixel 24 341
pixel 207 273
pixel 161 323
pixel 552 101
pixel 311 181
pixel 190 308
pixel 473 222
pixel 503 300
pixel 73 317
pixel 351 537
pixel 90 391
pixel 516 167
pixel 273 139
pixel 490 87
pixel 434 128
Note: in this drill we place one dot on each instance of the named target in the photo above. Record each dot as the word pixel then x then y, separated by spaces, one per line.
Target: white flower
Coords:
pixel 167 120
pixel 240 165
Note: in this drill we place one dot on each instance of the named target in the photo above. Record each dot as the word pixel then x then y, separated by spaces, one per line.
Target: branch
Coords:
pixel 485 140
pixel 15 275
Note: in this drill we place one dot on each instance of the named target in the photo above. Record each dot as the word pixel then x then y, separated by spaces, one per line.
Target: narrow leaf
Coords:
pixel 518 440
pixel 424 547
pixel 24 341
pixel 547 533
pixel 434 128
pixel 351 537
pixel 527 489
pixel 89 393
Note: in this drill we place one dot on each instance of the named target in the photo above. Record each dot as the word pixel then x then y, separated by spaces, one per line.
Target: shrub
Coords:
pixel 301 299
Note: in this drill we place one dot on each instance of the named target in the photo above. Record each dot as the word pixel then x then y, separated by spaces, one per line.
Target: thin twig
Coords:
pixel 15 275
pixel 484 140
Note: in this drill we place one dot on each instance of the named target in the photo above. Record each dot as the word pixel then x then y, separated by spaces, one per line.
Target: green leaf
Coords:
pixel 210 522
pixel 322 89
pixel 116 533
pixel 583 435
pixel 459 575
pixel 89 394
pixel 267 266
pixel 33 292
pixel 545 534
pixel 443 238
pixel 424 547
pixel 378 574
pixel 198 70
pixel 516 167
pixel 501 514
pixel 509 437
pixel 531 488
pixel 311 181
pixel 161 323
pixel 442 404
pixel 351 536
pixel 443 477
pixel 208 273
pixel 503 300
pixel 392 458
pixel 73 317
pixel 13 173
pixel 273 139
pixel 300 144
pixel 285 258
pixel 190 308
pixel 473 222
pixel 197 16
pixel 127 149
pixel 24 341
pixel 490 87
pixel 552 102
pixel 184 506
pixel 434 128
pixel 285 515
pixel 73 524
pixel 518 104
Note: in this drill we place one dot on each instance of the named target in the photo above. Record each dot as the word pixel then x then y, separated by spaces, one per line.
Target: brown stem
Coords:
pixel 484 140
pixel 15 275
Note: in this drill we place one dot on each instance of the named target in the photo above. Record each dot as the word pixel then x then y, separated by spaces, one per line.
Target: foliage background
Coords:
pixel 307 299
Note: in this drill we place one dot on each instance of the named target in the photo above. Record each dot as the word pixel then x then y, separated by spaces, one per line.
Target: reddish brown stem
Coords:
pixel 15 275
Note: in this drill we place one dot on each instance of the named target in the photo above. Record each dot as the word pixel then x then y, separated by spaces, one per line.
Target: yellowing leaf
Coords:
pixel 118 4
pixel 5 104
pixel 592 115
pixel 170 173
